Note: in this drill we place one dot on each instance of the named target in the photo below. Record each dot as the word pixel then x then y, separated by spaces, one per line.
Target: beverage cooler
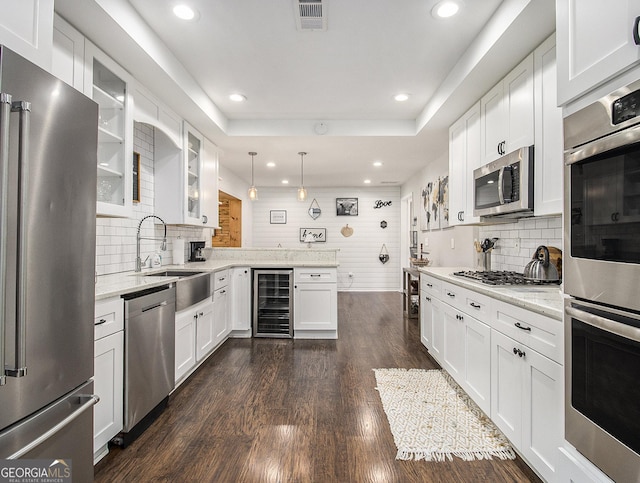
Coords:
pixel 272 303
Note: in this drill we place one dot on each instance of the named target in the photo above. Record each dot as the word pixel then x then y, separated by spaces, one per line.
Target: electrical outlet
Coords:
pixel 453 243
pixel 350 274
pixel 426 241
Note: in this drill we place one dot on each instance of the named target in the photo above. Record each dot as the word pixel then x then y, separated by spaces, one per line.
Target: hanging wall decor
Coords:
pixel 313 235
pixel 347 206
pixel 381 204
pixel 346 231
pixel 384 254
pixel 314 209
pixel 383 224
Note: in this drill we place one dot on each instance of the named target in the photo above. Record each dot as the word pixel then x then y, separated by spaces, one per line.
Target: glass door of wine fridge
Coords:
pixel 273 303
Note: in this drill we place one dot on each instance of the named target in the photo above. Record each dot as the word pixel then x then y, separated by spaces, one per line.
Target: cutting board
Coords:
pixel 555 257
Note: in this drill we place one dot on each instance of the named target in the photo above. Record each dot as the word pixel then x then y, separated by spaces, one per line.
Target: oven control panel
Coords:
pixel 626 108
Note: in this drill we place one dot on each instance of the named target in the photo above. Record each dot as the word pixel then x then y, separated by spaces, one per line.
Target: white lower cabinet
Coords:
pixel 221 327
pixel 467 348
pixel 240 302
pixel 205 330
pixel 526 401
pixel 575 468
pixel 108 374
pixel 437 337
pixel 506 358
pixel 185 343
pixel 315 303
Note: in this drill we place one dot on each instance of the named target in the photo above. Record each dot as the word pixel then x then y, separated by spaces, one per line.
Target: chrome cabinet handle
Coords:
pixel 428 299
pixel 5 113
pixel 517 324
pixel 500 186
pixel 518 352
pixel 100 322
pixel 205 219
pixel 474 305
pixel 19 368
pixel 459 317
pixel 452 295
pixel 636 33
pixel 429 285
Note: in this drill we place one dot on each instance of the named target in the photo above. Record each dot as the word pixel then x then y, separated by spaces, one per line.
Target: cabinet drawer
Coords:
pixel 109 317
pixel 322 275
pixel 540 333
pixel 430 285
pixel 467 301
pixel 220 279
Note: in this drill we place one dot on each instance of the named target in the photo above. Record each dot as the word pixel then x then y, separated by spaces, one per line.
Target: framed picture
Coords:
pixel 313 235
pixel 136 177
pixel 347 206
pixel 278 217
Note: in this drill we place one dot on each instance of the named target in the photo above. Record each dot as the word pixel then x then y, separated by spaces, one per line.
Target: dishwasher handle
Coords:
pixel 164 303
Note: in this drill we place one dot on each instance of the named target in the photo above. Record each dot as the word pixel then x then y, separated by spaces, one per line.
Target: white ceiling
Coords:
pixel 344 77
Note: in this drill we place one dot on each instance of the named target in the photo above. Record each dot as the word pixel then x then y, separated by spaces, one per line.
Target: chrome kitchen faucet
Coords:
pixel 163 246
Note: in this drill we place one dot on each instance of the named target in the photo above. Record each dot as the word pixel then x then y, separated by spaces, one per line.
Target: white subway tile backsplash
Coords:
pixel 518 240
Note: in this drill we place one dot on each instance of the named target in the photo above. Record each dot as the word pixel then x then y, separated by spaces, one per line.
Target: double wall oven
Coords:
pixel 602 276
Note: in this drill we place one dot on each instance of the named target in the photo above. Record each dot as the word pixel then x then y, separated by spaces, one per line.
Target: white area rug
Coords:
pixel 433 419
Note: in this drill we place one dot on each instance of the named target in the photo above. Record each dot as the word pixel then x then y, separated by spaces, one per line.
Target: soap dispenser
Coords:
pixel 156 260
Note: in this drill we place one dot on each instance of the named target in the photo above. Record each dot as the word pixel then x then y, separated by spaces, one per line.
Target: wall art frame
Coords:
pixel 278 217
pixel 316 235
pixel 346 206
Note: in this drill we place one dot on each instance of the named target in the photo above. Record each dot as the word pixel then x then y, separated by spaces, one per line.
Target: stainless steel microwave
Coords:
pixel 504 187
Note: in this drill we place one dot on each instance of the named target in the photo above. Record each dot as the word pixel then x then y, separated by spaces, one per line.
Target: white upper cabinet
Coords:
pixel 26 27
pixel 507 112
pixel 110 86
pixel 464 157
pixel 67 60
pixel 596 41
pixel 209 185
pixel 548 155
pixel 149 110
pixel 186 180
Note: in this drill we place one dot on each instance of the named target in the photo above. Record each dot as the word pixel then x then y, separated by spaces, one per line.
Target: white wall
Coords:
pixel 358 253
pixel 438 242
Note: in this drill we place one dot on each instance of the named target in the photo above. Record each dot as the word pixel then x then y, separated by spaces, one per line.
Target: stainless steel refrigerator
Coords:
pixel 48 159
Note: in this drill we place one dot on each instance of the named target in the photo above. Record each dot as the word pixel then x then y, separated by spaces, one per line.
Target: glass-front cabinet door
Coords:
pixel 109 85
pixel 193 164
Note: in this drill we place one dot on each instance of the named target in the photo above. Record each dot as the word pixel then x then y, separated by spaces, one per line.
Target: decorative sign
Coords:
pixel 381 204
pixel 278 217
pixel 313 235
pixel 314 209
pixel 383 224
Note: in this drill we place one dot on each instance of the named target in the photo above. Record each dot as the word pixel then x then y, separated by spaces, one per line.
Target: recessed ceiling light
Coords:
pixel 237 97
pixel 271 164
pixel 367 181
pixel 445 9
pixel 285 181
pixel 377 164
pixel 184 12
pixel 401 97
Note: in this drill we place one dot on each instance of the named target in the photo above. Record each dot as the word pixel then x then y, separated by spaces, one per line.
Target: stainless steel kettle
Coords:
pixel 539 269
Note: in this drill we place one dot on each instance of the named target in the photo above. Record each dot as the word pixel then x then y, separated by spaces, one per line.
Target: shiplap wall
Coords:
pixel 116 237
pixel 358 253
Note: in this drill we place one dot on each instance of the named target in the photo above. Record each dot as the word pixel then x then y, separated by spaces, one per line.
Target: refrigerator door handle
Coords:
pixel 20 364
pixel 5 112
pixel 86 401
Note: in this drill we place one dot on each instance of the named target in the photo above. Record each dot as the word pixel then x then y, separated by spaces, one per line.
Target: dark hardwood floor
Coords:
pixel 272 410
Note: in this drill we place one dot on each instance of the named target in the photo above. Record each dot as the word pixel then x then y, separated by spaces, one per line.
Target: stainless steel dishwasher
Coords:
pixel 149 358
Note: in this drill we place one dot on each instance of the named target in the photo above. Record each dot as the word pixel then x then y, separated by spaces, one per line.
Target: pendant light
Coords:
pixel 253 192
pixel 302 193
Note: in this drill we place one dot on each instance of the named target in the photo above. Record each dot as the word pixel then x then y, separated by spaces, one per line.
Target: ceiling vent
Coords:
pixel 310 14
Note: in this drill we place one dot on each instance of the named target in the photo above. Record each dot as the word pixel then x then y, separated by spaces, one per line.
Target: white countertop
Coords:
pixel 543 299
pixel 117 284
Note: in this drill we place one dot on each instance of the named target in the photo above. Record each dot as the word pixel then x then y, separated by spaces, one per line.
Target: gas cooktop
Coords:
pixel 500 278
